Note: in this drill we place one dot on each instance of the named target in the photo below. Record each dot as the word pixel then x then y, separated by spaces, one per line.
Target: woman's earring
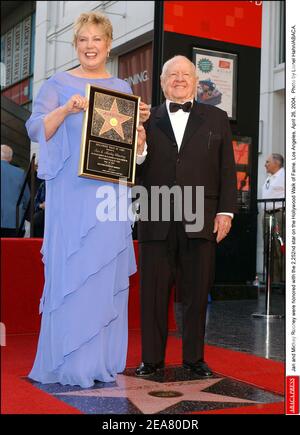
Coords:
pixel 108 54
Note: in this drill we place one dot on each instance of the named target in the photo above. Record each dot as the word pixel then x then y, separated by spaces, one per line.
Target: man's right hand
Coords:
pixel 141 139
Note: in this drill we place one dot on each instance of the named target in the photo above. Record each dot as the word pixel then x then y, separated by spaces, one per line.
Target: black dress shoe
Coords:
pixel 147 369
pixel 200 368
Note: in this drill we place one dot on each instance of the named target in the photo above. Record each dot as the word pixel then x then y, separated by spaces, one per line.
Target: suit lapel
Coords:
pixel 195 121
pixel 164 123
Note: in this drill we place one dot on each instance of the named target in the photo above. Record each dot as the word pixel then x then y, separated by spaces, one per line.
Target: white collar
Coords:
pixel 279 172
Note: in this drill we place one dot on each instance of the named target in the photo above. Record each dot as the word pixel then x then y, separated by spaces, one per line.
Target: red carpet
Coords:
pixel 22 278
pixel 20 397
pixel 260 372
pixel 22 283
pixel 21 291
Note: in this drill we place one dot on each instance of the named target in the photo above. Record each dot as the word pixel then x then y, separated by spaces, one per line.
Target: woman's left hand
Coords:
pixel 144 112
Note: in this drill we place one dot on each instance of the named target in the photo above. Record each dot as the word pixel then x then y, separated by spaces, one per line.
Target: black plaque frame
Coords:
pixel 109 155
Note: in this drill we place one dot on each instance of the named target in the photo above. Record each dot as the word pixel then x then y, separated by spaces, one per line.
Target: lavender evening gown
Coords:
pixel 84 330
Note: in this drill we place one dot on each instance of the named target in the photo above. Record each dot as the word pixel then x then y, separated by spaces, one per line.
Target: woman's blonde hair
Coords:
pixel 93 18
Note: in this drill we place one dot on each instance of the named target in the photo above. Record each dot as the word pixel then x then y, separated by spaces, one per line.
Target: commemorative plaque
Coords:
pixel 109 136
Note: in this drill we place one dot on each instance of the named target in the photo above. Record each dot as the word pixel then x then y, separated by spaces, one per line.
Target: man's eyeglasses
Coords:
pixel 174 75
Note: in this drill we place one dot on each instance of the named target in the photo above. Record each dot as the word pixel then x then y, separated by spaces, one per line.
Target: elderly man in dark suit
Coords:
pixel 187 145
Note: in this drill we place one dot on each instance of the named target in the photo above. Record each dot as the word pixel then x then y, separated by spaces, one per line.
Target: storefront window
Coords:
pixel 136 68
pixel 17 50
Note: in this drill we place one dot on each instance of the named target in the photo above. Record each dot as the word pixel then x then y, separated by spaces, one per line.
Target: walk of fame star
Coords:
pixel 138 391
pixel 113 119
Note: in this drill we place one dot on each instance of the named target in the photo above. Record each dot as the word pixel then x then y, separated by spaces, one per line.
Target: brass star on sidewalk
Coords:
pixel 113 119
pixel 139 392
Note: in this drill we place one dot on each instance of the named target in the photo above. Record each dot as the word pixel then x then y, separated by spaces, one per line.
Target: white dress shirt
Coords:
pixel 178 121
pixel 274 187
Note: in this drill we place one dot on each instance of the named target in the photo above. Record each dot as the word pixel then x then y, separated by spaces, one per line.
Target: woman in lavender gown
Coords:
pixel 83 336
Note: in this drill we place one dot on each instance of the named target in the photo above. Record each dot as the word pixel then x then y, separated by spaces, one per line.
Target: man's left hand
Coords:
pixel 222 226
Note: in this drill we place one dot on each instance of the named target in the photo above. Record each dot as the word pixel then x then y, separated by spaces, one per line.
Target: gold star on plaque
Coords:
pixel 113 119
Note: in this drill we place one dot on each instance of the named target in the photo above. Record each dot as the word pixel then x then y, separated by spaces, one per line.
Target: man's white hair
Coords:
pixel 6 153
pixel 167 64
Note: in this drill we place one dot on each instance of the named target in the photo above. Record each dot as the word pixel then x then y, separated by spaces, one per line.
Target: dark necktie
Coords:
pixel 186 107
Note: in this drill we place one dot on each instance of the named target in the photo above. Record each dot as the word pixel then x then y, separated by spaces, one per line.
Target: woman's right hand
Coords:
pixel 55 118
pixel 76 103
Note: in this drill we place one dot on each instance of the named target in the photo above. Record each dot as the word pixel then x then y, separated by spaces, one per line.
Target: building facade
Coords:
pixel 17 59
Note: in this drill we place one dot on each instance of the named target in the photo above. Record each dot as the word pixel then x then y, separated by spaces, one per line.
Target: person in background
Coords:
pixel 84 330
pixel 12 179
pixel 274 187
pixel 34 188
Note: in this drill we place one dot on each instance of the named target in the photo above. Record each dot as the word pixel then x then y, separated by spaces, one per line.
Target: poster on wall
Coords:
pixel 217 79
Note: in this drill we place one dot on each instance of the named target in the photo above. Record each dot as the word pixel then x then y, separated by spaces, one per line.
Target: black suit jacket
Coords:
pixel 205 159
